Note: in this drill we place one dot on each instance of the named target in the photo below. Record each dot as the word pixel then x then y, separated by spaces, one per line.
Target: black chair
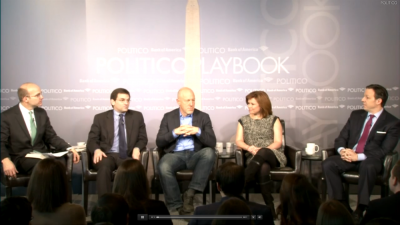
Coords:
pixel 183 176
pixel 22 180
pixel 90 174
pixel 277 174
pixel 352 177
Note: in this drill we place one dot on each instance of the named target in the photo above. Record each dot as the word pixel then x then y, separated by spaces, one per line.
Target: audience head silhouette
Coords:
pixel 131 182
pixel 233 206
pixel 230 179
pixel 334 212
pixel 15 210
pixel 111 209
pixel 300 200
pixel 53 189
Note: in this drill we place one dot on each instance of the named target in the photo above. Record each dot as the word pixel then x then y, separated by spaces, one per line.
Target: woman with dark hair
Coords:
pixel 48 193
pixel 131 182
pixel 260 134
pixel 333 212
pixel 233 206
pixel 300 201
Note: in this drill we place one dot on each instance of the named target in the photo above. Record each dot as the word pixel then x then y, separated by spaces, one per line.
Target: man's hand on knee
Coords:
pixel 98 156
pixel 9 168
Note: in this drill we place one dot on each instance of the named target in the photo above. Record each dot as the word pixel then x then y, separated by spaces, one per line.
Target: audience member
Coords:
pixel 15 210
pixel 48 193
pixel 111 209
pixel 334 212
pixel 260 134
pixel 382 221
pixel 233 206
pixel 300 201
pixel 230 182
pixel 131 182
pixel 387 207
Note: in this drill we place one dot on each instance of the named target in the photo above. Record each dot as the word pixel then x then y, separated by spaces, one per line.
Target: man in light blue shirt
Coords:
pixel 187 138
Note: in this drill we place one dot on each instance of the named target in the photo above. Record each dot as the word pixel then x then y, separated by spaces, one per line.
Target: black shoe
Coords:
pixel 187 202
pixel 266 193
pixel 357 217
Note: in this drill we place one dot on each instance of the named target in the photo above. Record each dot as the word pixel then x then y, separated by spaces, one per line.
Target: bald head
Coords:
pixel 30 95
pixel 186 101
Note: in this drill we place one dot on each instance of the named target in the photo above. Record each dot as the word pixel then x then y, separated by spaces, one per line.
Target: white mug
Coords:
pixel 81 143
pixel 310 150
pixel 229 147
pixel 220 147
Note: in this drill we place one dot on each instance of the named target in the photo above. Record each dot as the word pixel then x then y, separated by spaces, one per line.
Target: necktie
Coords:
pixel 122 140
pixel 33 127
pixel 364 136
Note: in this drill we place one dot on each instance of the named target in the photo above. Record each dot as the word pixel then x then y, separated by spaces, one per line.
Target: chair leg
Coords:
pixel 323 190
pixel 214 191
pixel 347 192
pixel 85 194
pixel 8 192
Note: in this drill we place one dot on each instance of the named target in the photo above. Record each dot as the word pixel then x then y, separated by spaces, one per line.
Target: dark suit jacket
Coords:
pixel 15 137
pixel 256 209
pixel 101 135
pixel 378 145
pixel 171 120
pixel 386 207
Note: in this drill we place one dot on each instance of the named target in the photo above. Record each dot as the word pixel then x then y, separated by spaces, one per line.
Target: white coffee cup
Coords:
pixel 310 150
pixel 229 147
pixel 81 143
pixel 220 147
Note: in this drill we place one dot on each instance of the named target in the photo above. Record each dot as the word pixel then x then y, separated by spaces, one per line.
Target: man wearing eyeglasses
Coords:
pixel 115 135
pixel 26 128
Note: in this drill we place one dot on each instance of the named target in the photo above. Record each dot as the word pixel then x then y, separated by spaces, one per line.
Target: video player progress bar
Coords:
pixel 204 217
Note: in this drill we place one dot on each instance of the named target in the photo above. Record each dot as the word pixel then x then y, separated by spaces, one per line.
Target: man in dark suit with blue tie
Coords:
pixel 368 136
pixel 115 135
pixel 230 182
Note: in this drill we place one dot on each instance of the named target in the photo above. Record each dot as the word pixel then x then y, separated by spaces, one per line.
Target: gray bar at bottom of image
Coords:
pixel 200 217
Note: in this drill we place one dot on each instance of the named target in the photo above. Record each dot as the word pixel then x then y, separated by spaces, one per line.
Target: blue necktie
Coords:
pixel 122 140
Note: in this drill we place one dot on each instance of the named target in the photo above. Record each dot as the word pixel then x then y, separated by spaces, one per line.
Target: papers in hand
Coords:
pixel 40 155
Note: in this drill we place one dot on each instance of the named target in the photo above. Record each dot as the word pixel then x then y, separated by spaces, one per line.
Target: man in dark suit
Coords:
pixel 230 182
pixel 26 128
pixel 362 145
pixel 387 207
pixel 187 137
pixel 115 135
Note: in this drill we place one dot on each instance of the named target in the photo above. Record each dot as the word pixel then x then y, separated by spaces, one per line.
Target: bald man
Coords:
pixel 26 127
pixel 188 140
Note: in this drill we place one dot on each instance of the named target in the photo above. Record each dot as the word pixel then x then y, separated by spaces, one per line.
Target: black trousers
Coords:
pixel 26 165
pixel 368 169
pixel 104 172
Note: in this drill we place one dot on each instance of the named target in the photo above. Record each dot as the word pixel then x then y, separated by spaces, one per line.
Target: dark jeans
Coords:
pixel 201 162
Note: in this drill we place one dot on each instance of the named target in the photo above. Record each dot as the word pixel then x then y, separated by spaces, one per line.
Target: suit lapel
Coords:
pixel 177 119
pixel 39 126
pixel 195 119
pixel 20 121
pixel 128 126
pixel 378 124
pixel 110 127
pixel 360 124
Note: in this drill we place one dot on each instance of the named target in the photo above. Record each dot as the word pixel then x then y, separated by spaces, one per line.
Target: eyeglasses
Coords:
pixel 36 96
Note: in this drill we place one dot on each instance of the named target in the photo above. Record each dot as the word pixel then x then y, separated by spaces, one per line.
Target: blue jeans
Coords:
pixel 201 162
